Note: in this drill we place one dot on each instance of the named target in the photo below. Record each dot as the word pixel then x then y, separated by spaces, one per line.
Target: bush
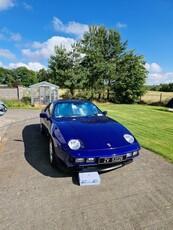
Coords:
pixel 80 95
pixel 26 100
pixel 67 95
pixel 84 95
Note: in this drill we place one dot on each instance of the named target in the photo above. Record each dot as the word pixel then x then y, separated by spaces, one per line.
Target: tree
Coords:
pixel 65 68
pixel 129 84
pixel 6 77
pixel 43 75
pixel 98 63
pixel 24 76
pixel 162 87
pixel 101 50
pixel 166 87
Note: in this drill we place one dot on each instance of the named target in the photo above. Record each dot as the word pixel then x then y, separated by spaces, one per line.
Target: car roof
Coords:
pixel 68 101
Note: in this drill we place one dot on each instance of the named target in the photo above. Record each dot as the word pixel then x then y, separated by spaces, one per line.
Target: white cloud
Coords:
pixel 6 4
pixel 7 35
pixel 15 37
pixel 153 67
pixel 1 65
pixel 36 66
pixel 70 28
pixel 7 54
pixel 156 76
pixel 121 25
pixel 159 78
pixel 37 45
pixel 27 6
pixel 40 51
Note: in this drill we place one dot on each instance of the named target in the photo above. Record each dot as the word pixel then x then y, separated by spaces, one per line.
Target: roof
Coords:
pixel 68 101
pixel 43 83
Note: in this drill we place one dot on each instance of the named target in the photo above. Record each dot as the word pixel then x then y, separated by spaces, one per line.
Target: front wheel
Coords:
pixel 52 153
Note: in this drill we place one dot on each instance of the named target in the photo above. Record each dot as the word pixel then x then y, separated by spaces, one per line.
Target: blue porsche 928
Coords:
pixel 83 138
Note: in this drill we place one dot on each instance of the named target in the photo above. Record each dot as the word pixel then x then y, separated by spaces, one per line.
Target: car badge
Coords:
pixel 108 144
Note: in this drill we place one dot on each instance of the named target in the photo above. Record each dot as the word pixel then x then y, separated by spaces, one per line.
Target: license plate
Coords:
pixel 107 160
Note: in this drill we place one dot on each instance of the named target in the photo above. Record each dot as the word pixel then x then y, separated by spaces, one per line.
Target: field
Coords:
pixel 156 96
pixel 152 126
pixel 150 97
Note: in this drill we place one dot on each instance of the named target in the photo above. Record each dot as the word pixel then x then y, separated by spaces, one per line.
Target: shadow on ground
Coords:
pixel 36 152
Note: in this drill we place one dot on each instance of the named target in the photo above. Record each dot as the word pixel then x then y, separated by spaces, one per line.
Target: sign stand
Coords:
pixel 89 178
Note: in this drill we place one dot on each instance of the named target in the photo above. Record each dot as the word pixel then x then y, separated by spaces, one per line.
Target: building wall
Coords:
pixel 11 93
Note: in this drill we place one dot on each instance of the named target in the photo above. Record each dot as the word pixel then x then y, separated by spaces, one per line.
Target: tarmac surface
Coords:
pixel 33 195
pixel 14 116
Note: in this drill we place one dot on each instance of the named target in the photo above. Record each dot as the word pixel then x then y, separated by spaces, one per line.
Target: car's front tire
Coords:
pixel 52 153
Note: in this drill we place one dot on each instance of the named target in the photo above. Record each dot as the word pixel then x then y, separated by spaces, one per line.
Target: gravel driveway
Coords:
pixel 33 195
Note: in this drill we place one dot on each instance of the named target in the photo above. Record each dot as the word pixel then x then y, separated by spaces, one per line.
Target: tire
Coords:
pixel 52 153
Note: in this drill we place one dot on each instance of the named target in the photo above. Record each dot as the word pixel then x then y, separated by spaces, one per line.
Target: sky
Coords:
pixel 29 30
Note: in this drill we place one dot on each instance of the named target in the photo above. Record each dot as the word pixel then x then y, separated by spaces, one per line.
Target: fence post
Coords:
pixel 161 97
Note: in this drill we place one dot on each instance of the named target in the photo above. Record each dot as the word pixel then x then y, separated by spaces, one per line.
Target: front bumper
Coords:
pixel 91 168
pixel 67 163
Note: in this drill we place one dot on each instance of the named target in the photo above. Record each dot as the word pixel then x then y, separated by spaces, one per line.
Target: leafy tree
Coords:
pixel 166 87
pixel 43 75
pixel 24 76
pixel 6 77
pixel 99 63
pixel 154 87
pixel 101 50
pixel 65 68
pixel 129 84
pixel 162 87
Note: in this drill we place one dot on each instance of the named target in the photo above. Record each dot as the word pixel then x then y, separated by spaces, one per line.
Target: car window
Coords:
pixel 76 109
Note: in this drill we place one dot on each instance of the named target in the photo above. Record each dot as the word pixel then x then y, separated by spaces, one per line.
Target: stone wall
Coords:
pixel 12 93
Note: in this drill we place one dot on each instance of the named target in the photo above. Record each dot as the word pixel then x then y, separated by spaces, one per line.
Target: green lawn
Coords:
pixel 151 125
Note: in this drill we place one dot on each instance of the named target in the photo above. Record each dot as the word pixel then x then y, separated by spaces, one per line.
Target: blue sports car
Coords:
pixel 83 138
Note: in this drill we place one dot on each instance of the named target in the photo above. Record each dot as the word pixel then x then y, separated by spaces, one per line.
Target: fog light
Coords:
pixel 129 154
pixel 79 160
pixel 90 160
pixel 135 153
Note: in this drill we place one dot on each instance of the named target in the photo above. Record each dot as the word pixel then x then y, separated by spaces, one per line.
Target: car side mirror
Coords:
pixel 105 113
pixel 44 115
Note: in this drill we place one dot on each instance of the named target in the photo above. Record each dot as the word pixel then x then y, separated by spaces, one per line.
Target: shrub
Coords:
pixel 26 100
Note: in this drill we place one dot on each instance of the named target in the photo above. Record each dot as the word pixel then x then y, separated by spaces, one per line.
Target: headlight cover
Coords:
pixel 74 144
pixel 129 138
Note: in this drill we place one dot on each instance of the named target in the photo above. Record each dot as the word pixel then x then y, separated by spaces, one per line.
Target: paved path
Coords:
pixel 35 196
pixel 14 116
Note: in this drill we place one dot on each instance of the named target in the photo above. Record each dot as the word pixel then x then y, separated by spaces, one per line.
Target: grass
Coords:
pixel 151 125
pixel 14 103
pixel 18 104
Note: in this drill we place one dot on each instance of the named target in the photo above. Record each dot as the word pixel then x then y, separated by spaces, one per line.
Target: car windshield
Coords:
pixel 76 109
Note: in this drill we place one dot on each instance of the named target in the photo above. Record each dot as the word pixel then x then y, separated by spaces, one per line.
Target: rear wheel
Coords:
pixel 52 153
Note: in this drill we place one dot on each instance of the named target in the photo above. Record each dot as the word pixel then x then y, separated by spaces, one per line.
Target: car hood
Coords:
pixel 94 132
